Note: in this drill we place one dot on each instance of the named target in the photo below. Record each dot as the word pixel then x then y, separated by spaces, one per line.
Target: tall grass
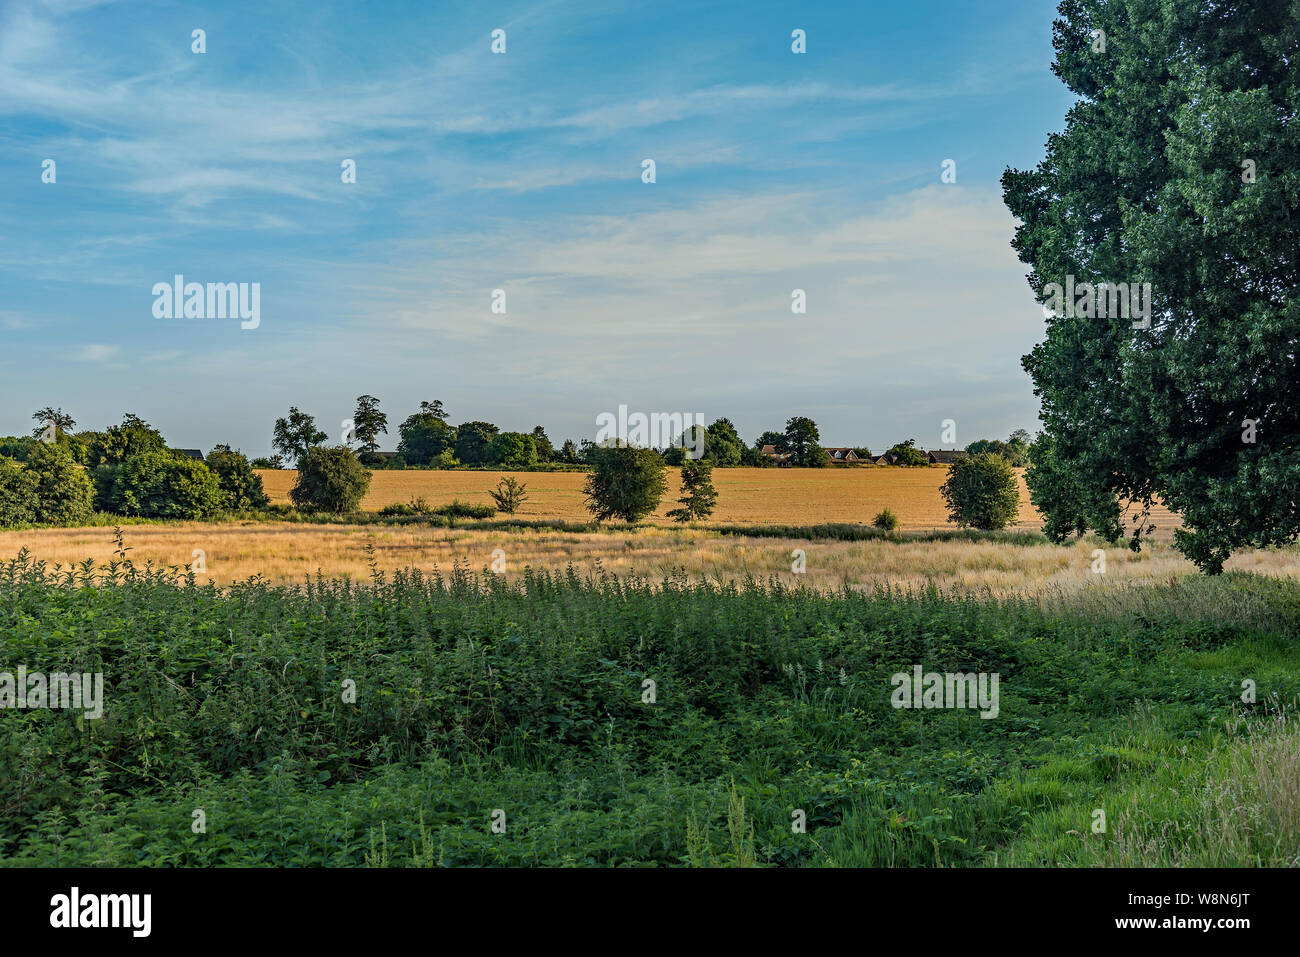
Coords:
pixel 477 694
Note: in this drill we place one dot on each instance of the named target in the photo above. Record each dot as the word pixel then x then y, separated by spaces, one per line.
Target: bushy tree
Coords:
pixel 568 452
pixel 473 440
pixel 268 462
pixel 885 520
pixel 906 453
pixel 1015 449
pixel 18 491
pixel 981 492
pixel 545 450
pixel 241 486
pixel 801 440
pixel 163 485
pixel 118 443
pixel 330 480
pixel 1176 167
pixel 424 435
pixel 295 434
pixel 624 482
pixel 722 444
pixel 512 450
pixel 64 492
pixel 699 497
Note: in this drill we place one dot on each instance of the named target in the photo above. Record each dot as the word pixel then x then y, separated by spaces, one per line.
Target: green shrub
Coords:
pixel 981 491
pixel 885 520
pixel 163 485
pixel 330 480
pixel 241 486
pixel 64 493
pixel 18 500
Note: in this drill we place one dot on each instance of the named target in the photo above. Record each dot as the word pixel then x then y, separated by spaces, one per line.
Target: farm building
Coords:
pixel 190 453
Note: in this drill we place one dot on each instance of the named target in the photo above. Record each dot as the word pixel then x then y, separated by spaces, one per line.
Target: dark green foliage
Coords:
pixel 16 447
pixel 64 492
pixel 472 442
pixel 368 422
pixel 545 451
pixel 425 436
pixel 162 485
pixel 473 692
pixel 981 492
pixel 329 480
pixel 509 494
pixel 1068 505
pixel 18 502
pixel 1176 168
pixel 801 441
pixel 118 443
pixel 240 485
pixel 699 497
pixel 885 520
pixel 268 462
pixel 512 450
pixel 625 482
pixel 1015 449
pixel 906 453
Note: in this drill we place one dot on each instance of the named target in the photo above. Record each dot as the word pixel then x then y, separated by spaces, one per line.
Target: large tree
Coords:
pixel 295 434
pixel 368 422
pixel 801 438
pixel 425 435
pixel 1176 167
pixel 472 441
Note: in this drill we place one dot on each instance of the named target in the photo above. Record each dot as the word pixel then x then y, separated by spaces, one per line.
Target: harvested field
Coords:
pixel 745 496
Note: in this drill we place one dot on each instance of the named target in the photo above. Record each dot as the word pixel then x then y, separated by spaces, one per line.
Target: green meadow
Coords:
pixel 566 719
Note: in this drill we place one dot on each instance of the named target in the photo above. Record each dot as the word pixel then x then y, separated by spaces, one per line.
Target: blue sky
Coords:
pixel 522 172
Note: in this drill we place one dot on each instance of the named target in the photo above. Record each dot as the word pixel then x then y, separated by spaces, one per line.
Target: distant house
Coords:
pixel 885 458
pixel 190 453
pixel 770 452
pixel 944 456
pixel 841 455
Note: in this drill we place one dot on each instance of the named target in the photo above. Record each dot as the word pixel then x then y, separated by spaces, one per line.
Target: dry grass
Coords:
pixel 745 496
pixel 284 552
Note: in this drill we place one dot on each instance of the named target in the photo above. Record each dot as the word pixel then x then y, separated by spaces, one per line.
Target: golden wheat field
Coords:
pixel 285 553
pixel 745 496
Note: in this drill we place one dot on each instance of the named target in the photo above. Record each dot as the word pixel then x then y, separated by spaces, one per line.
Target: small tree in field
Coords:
pixel 981 492
pixel 885 520
pixel 699 497
pixel 509 494
pixel 625 482
pixel 330 480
